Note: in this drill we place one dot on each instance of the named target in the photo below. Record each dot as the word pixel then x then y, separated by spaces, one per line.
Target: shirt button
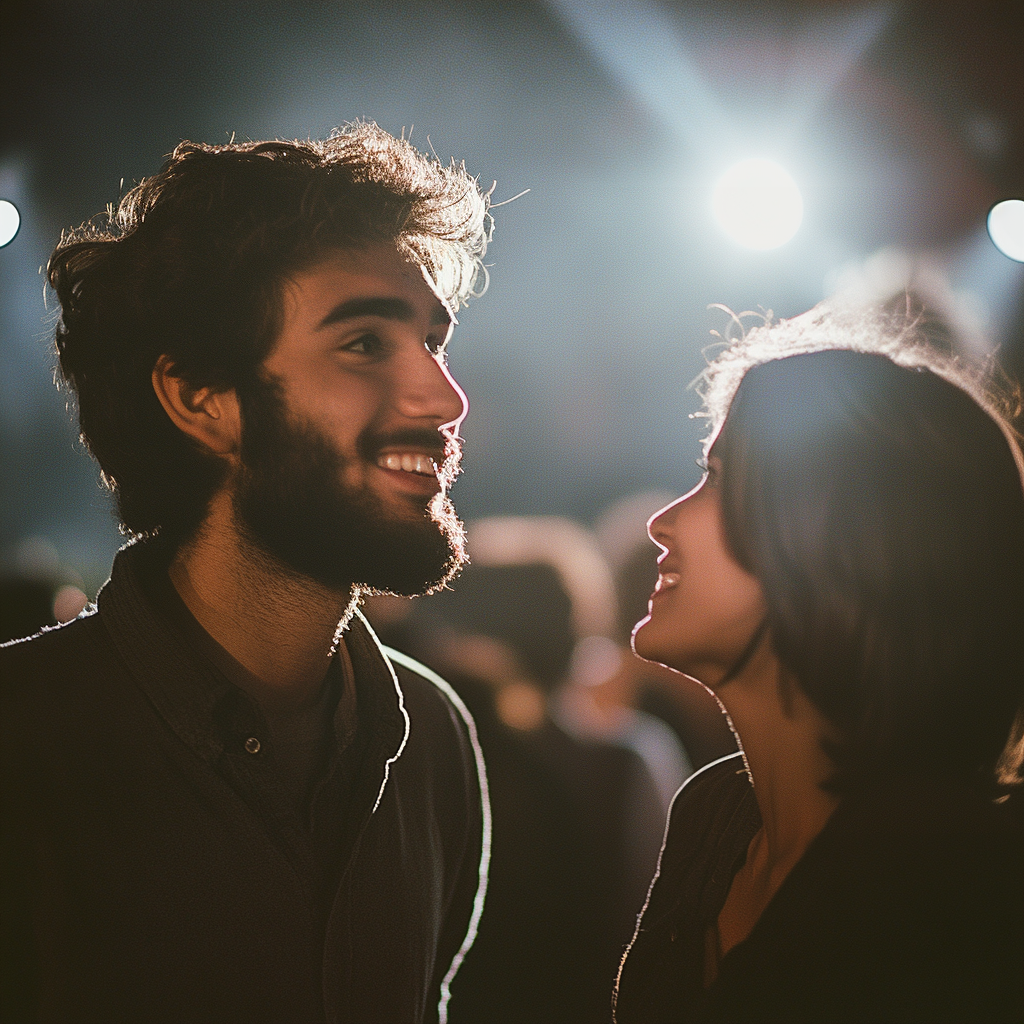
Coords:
pixel 252 745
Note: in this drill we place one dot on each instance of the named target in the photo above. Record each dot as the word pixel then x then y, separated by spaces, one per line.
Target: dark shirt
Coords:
pixel 906 907
pixel 302 736
pixel 155 867
pixel 306 761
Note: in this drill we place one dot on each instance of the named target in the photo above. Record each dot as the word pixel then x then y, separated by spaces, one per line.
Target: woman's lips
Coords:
pixel 666 581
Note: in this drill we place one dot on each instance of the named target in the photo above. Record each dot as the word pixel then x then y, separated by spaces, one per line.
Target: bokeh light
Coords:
pixel 68 603
pixel 10 221
pixel 1006 228
pixel 757 204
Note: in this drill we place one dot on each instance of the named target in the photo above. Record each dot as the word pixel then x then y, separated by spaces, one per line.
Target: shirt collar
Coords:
pixel 192 695
pixel 377 680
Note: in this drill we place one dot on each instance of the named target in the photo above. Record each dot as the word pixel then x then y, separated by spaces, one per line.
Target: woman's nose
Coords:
pixel 660 524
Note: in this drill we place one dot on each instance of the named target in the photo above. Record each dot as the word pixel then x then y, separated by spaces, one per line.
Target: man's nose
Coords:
pixel 427 390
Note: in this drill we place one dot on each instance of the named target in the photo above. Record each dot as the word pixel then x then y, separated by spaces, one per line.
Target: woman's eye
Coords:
pixel 711 468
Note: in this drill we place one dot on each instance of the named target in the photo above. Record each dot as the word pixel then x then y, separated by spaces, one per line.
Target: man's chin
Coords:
pixel 404 555
pixel 442 513
pixel 414 579
pixel 426 555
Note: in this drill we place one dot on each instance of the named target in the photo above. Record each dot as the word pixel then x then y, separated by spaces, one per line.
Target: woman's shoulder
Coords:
pixel 906 907
pixel 712 818
pixel 722 773
pixel 711 821
pixel 948 846
pixel 711 797
pixel 925 819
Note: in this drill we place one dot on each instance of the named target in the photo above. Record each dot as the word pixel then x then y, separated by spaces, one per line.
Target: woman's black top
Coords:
pixel 908 906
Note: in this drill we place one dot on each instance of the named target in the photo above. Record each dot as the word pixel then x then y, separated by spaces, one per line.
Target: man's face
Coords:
pixel 349 442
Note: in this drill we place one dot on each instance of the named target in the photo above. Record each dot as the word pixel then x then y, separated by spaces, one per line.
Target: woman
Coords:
pixel 848 579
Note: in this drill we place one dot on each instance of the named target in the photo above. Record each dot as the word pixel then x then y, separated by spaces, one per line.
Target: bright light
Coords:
pixel 1006 228
pixel 10 221
pixel 757 204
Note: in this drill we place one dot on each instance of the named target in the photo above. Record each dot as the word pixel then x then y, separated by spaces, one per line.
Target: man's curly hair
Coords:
pixel 191 265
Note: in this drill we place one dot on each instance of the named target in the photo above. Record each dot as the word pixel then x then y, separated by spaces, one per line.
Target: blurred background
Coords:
pixel 901 124
pixel 666 157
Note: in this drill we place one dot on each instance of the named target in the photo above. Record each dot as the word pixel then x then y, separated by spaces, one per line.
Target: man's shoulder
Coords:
pixel 52 654
pixel 54 687
pixel 61 682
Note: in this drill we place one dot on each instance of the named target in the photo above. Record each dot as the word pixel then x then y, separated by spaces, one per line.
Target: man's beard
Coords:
pixel 291 503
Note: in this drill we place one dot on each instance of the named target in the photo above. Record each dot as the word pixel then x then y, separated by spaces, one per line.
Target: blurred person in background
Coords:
pixel 36 590
pixel 29 604
pixel 692 712
pixel 221 799
pixel 578 820
pixel 593 702
pixel 849 580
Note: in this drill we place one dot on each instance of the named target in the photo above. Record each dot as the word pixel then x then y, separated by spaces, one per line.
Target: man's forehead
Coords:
pixel 377 279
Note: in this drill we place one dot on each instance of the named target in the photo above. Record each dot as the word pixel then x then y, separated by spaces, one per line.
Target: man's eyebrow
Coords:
pixel 384 308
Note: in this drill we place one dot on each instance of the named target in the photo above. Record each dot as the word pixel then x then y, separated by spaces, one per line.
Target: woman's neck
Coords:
pixel 781 735
pixel 781 739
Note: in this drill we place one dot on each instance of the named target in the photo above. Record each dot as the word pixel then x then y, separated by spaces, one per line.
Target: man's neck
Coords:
pixel 279 626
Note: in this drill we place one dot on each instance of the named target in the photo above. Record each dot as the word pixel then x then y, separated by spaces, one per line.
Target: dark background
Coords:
pixel 902 123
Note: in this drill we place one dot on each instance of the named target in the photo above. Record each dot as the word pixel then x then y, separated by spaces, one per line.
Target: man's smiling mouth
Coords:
pixel 408 462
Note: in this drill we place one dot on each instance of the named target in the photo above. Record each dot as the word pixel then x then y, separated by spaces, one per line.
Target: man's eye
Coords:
pixel 365 344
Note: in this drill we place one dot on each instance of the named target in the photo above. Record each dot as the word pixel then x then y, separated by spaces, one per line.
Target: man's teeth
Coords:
pixel 408 462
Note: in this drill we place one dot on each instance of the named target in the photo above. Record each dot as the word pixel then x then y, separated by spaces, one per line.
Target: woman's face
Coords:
pixel 705 608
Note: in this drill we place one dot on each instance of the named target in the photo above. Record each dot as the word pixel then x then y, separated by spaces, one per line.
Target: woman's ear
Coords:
pixel 211 417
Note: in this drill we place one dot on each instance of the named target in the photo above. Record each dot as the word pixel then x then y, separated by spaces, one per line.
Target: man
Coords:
pixel 223 801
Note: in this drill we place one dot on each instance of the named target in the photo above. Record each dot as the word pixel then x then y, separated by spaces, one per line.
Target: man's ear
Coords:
pixel 213 418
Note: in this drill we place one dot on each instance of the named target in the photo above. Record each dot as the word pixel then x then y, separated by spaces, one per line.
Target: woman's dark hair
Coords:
pixel 192 263
pixel 874 489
